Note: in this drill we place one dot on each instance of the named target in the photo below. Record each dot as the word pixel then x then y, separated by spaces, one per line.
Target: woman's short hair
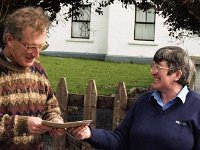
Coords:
pixel 177 59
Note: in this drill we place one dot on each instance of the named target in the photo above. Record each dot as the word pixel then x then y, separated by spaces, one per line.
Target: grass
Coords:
pixel 106 74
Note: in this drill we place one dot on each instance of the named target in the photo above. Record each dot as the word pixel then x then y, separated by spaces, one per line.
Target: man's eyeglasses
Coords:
pixel 33 48
pixel 157 67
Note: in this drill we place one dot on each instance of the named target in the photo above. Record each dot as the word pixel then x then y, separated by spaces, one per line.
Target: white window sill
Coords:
pixel 79 40
pixel 148 43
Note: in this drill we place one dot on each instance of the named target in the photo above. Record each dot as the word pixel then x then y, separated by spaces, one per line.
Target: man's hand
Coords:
pixel 56 132
pixel 36 127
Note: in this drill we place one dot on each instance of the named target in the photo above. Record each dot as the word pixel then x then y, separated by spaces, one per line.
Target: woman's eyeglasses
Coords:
pixel 157 67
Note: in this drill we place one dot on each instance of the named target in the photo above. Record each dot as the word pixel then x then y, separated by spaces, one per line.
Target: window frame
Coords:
pixel 146 22
pixel 75 19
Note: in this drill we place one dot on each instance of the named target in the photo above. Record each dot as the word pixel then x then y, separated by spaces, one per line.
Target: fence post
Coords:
pixel 120 104
pixel 89 111
pixel 62 96
pixel 90 103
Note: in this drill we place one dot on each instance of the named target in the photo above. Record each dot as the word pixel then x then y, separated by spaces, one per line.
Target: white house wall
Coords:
pixel 121 31
pixel 60 36
pixel 112 36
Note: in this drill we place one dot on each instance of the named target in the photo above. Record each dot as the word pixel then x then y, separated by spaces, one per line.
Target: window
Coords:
pixel 144 24
pixel 81 23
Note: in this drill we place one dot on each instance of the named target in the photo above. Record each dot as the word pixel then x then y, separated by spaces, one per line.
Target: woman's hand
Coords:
pixel 80 133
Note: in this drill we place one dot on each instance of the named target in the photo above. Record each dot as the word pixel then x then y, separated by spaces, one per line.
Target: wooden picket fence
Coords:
pixel 90 102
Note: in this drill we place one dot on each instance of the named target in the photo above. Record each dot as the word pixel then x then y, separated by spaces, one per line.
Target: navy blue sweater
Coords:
pixel 147 127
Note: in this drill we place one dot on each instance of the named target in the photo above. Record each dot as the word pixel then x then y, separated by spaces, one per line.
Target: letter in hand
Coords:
pixel 80 132
pixel 35 126
pixel 56 132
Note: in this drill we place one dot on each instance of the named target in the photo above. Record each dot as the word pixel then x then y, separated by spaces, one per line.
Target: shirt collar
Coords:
pixel 181 95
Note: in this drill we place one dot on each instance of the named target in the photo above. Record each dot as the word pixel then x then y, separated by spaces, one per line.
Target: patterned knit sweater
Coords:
pixel 23 92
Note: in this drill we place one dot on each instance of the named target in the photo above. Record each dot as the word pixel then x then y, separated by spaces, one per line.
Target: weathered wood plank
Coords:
pixel 120 105
pixel 77 100
pixel 90 103
pixel 62 96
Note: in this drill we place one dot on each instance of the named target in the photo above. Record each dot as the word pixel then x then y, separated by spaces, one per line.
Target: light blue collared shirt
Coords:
pixel 181 95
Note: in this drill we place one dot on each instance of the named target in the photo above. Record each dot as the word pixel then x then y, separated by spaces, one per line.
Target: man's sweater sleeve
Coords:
pixel 11 126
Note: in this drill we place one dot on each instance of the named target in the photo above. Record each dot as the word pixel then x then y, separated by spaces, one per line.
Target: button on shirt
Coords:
pixel 181 96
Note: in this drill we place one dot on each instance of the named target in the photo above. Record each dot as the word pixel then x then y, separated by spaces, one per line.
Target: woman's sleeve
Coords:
pixel 113 140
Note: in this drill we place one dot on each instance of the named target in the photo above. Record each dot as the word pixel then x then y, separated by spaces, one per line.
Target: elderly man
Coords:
pixel 26 97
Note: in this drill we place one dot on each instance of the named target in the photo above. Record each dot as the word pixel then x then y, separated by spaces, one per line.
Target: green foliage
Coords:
pixel 106 74
pixel 182 16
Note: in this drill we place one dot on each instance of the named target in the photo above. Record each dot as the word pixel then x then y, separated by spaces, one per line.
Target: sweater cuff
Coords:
pixel 20 125
pixel 92 137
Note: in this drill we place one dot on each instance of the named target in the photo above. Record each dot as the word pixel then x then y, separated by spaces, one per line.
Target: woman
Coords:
pixel 166 118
